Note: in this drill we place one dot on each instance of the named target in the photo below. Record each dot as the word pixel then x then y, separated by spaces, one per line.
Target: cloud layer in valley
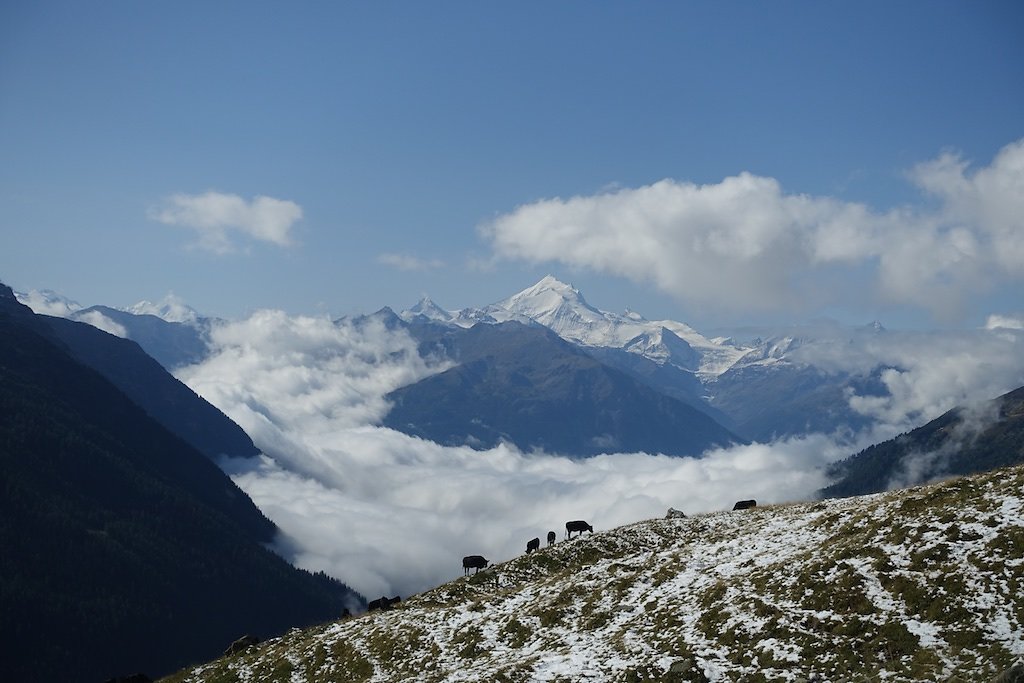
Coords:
pixel 216 215
pixel 391 514
pixel 747 245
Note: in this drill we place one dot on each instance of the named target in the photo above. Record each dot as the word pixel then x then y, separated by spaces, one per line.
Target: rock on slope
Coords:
pixel 917 585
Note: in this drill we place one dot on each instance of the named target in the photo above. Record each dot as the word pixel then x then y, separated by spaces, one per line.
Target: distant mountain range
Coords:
pixel 526 385
pixel 757 390
pixel 124 548
pixel 544 369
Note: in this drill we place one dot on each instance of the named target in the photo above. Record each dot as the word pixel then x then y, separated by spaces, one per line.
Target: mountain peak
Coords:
pixel 171 308
pixel 554 304
pixel 426 308
pixel 552 282
pixel 549 288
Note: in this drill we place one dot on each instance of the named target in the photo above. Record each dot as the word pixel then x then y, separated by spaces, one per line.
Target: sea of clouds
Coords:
pixel 390 514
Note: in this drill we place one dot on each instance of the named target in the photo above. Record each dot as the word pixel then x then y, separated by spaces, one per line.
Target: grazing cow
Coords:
pixel 241 645
pixel 533 544
pixel 577 525
pixel 551 538
pixel 477 562
pixel 744 505
pixel 383 603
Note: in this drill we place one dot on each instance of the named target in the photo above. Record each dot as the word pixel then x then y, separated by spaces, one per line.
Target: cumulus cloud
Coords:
pixel 407 262
pixel 745 244
pixel 393 514
pixel 216 215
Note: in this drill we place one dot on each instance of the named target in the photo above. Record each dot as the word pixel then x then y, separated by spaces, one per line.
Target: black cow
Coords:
pixel 744 505
pixel 383 603
pixel 551 538
pixel 241 645
pixel 577 525
pixel 533 544
pixel 477 562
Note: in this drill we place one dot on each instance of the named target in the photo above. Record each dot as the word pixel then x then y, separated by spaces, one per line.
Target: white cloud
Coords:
pixel 171 308
pixel 214 215
pixel 924 373
pixel 102 322
pixel 745 245
pixel 407 262
pixel 48 302
pixel 1010 322
pixel 391 514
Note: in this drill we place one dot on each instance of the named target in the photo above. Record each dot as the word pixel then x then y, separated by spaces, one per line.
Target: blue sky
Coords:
pixel 418 148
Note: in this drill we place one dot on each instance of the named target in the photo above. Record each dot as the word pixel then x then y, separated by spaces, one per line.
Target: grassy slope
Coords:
pixel 916 585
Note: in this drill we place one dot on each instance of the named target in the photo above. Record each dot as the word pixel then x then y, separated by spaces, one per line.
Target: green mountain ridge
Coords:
pixel 923 584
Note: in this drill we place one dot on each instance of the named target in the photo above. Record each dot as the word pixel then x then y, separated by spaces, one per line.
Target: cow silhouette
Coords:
pixel 383 603
pixel 577 525
pixel 533 544
pixel 476 562
pixel 551 538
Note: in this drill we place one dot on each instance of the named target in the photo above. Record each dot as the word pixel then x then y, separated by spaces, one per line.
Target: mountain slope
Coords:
pixel 124 549
pixel 172 343
pixel 916 585
pixel 961 441
pixel 150 386
pixel 525 385
pixel 761 389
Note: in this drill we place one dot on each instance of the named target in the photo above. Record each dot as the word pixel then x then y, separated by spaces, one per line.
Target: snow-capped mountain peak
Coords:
pixel 554 304
pixel 562 308
pixel 171 308
pixel 426 308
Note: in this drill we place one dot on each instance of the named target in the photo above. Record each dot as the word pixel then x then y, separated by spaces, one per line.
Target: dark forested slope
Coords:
pixel 962 441
pixel 154 389
pixel 123 548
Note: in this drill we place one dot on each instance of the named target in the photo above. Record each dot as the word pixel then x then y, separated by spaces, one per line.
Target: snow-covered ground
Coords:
pixel 917 585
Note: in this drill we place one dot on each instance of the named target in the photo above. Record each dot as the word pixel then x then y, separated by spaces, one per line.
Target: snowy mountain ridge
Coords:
pixel 171 308
pixel 563 309
pixel 915 585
